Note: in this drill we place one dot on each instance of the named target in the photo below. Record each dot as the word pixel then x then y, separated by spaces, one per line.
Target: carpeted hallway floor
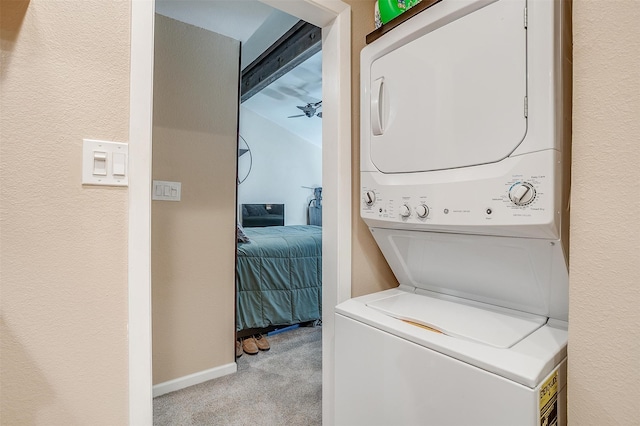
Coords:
pixel 282 386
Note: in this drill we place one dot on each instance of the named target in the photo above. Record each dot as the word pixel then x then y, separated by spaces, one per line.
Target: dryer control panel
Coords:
pixel 514 197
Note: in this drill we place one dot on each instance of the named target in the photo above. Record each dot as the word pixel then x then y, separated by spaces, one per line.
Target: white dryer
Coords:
pixel 464 179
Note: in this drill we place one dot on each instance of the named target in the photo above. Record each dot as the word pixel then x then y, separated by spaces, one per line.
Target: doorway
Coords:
pixel 334 19
pixel 278 273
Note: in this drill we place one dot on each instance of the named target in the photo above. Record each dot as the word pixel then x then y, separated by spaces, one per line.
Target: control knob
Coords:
pixel 522 193
pixel 422 211
pixel 405 211
pixel 369 198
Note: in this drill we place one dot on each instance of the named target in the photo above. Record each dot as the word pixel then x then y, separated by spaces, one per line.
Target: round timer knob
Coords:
pixel 369 198
pixel 422 211
pixel 405 211
pixel 522 193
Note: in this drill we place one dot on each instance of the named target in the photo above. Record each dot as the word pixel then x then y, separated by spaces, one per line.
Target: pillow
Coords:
pixel 256 210
pixel 242 237
pixel 277 209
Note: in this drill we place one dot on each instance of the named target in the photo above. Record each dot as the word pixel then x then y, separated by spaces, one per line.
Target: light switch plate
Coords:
pixel 166 191
pixel 98 163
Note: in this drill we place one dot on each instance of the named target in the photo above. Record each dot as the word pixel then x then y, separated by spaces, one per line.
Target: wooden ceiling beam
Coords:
pixel 298 44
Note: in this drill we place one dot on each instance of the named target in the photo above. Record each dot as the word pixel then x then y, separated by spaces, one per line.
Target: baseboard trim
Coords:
pixel 194 379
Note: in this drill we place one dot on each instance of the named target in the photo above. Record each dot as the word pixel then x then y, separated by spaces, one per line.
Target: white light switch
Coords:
pixel 166 191
pixel 99 163
pixel 119 164
pixel 104 163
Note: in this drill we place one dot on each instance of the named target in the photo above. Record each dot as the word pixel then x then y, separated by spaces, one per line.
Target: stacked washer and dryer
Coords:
pixel 464 179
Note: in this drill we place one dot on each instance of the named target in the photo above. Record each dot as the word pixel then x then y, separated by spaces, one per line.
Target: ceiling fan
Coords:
pixel 309 110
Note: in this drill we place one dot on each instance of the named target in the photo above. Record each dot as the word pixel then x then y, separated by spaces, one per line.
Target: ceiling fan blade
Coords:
pixel 319 115
pixel 294 116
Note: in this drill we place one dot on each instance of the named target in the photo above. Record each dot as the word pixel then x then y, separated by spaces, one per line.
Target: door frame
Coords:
pixel 334 17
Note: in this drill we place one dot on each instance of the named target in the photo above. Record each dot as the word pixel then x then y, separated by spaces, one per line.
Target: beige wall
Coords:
pixel 193 241
pixel 370 272
pixel 64 77
pixel 604 314
pixel 63 247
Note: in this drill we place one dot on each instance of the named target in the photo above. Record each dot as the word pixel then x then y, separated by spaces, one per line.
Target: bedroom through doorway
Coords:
pixel 279 249
pixel 279 158
pixel 279 253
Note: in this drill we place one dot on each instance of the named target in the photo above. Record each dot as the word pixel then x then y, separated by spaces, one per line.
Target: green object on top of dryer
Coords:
pixel 390 9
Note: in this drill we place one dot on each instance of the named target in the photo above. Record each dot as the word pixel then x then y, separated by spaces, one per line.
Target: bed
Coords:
pixel 279 276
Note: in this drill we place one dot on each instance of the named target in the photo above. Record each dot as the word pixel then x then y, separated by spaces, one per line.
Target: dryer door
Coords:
pixel 454 97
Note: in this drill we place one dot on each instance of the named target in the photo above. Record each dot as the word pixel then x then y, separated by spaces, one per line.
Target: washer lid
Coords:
pixel 453 97
pixel 501 328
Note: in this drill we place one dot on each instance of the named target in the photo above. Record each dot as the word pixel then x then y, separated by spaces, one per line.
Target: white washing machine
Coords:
pixel 464 178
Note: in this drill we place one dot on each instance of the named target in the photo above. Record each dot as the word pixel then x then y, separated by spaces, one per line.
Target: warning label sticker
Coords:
pixel 549 401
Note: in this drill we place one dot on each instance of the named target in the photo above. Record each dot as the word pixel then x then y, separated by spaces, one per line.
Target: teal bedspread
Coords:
pixel 279 276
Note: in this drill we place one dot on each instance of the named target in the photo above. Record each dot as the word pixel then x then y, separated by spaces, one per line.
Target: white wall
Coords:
pixel 276 25
pixel 282 164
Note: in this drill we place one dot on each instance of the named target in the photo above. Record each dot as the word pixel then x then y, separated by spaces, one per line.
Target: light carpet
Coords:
pixel 282 386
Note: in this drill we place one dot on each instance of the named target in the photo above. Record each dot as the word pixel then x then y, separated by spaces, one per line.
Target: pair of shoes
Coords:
pixel 252 345
pixel 262 343
pixel 238 349
pixel 249 346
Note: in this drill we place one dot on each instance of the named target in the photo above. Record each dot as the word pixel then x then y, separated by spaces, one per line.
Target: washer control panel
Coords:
pixel 517 199
pixel 510 204
pixel 381 204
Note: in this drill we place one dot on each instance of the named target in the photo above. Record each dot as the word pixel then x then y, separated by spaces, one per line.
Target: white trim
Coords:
pixel 320 13
pixel 194 379
pixel 336 177
pixel 334 17
pixel 140 126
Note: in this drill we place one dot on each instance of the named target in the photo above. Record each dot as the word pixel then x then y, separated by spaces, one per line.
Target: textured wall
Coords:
pixel 63 247
pixel 193 241
pixel 604 338
pixel 64 77
pixel 370 271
